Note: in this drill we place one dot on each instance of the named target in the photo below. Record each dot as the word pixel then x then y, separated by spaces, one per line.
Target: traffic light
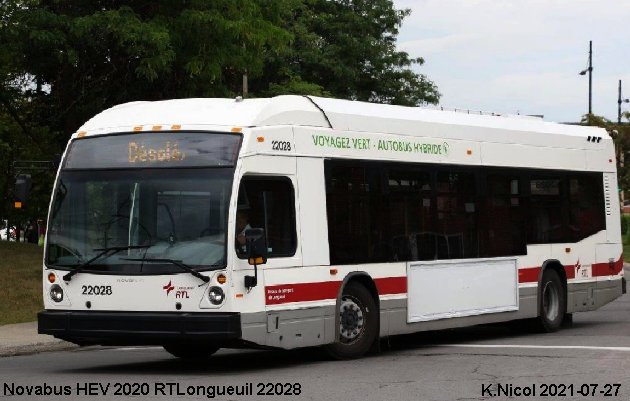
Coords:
pixel 22 189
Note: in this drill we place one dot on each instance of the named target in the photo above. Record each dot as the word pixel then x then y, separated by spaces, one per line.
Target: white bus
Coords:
pixel 298 221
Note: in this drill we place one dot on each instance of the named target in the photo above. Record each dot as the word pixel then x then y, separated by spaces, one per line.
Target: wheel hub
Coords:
pixel 351 320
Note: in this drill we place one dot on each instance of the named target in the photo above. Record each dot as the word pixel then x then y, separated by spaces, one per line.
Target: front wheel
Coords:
pixel 553 304
pixel 188 351
pixel 358 323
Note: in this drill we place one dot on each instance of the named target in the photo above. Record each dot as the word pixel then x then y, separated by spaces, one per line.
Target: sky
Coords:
pixel 522 56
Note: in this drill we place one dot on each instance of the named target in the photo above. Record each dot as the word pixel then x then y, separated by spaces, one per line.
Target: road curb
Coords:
pixel 28 349
pixel 23 339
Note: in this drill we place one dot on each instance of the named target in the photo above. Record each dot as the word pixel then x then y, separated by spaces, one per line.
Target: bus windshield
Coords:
pixel 179 214
pixel 158 213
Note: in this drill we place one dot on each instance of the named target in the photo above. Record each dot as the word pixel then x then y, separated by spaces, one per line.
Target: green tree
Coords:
pixel 620 133
pixel 64 61
pixel 346 49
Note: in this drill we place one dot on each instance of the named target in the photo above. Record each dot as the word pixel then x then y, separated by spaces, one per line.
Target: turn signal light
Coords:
pixel 257 260
pixel 221 279
pixel 52 278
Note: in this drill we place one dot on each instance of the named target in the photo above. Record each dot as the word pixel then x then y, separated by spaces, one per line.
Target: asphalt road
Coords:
pixel 592 358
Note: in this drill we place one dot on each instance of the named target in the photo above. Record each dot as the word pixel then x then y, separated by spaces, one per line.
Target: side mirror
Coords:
pixel 256 248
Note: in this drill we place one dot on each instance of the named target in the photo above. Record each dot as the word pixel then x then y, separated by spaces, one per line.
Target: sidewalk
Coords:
pixel 22 339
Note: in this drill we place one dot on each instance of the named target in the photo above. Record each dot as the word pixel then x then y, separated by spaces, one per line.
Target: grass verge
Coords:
pixel 21 288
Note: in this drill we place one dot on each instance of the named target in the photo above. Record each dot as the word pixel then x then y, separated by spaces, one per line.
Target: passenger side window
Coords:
pixel 504 220
pixel 456 215
pixel 267 203
pixel 586 202
pixel 546 211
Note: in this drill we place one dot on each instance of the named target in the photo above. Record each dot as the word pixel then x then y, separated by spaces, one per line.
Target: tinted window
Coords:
pixel 503 216
pixel 267 203
pixel 586 200
pixel 456 215
pixel 386 212
pixel 546 210
pixel 411 221
pixel 355 215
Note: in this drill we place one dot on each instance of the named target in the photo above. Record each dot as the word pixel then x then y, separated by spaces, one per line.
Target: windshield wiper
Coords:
pixel 177 263
pixel 107 252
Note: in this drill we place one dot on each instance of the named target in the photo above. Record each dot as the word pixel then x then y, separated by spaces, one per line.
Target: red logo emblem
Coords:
pixel 168 288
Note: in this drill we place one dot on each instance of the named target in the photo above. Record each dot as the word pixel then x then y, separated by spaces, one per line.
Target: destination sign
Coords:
pixel 154 150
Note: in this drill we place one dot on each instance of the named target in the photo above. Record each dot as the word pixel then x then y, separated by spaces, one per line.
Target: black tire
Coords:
pixel 188 351
pixel 552 303
pixel 358 323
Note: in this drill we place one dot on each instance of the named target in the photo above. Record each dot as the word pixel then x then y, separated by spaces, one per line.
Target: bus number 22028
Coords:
pixel 281 145
pixel 97 289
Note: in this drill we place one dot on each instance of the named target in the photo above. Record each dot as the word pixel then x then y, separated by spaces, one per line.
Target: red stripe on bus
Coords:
pixel 303 292
pixel 391 285
pixel 607 268
pixel 530 274
pixel 569 270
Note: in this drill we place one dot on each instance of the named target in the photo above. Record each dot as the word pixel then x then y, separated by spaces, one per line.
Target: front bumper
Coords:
pixel 140 328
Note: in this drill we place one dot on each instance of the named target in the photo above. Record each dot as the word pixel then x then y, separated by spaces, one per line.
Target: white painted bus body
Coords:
pixel 296 299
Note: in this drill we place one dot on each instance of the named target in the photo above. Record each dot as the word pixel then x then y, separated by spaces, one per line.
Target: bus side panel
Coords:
pixel 474 287
pixel 395 312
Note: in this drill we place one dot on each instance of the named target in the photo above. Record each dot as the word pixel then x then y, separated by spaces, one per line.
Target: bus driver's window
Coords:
pixel 267 203
pixel 242 225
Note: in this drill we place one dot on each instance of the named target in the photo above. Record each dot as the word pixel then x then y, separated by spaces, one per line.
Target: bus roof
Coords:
pixel 344 115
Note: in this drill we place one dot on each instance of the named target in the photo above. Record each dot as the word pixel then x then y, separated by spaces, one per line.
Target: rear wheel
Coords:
pixel 552 304
pixel 358 324
pixel 187 351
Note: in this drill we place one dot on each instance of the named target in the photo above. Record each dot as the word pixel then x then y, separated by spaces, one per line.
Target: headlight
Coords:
pixel 56 293
pixel 216 295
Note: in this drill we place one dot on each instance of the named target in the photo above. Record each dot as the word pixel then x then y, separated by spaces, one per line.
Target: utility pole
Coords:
pixel 590 76
pixel 620 100
pixel 245 89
